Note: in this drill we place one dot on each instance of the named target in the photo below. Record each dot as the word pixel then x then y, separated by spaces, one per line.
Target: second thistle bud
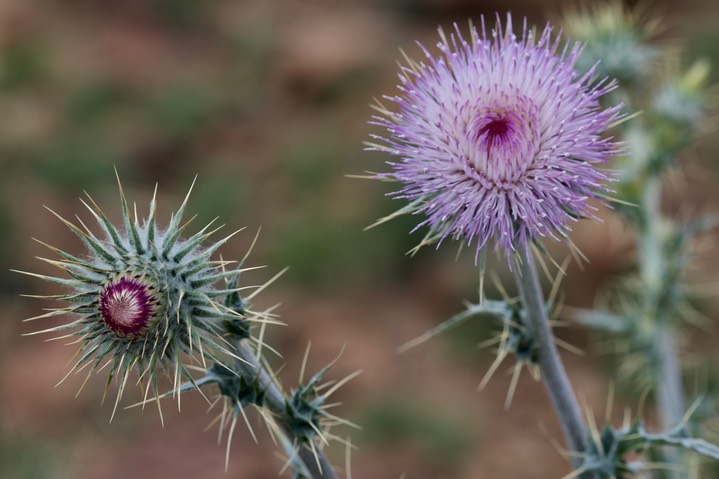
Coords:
pixel 144 298
pixel 615 40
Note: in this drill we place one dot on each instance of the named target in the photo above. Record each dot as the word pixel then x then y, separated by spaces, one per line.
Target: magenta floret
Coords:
pixel 127 306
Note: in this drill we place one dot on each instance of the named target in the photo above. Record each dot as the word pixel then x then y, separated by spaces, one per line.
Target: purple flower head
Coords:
pixel 127 306
pixel 498 137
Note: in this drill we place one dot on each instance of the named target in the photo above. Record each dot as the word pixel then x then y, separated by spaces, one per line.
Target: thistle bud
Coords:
pixel 143 298
pixel 616 41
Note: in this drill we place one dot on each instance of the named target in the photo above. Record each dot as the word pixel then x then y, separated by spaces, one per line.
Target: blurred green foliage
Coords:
pixel 27 457
pixel 95 101
pixel 181 14
pixel 311 163
pixel 224 194
pixel 179 110
pixel 462 343
pixel 23 64
pixel 78 164
pixel 443 438
pixel 6 240
pixel 702 42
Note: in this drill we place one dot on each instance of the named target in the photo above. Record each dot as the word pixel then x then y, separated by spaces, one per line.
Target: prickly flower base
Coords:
pixel 143 299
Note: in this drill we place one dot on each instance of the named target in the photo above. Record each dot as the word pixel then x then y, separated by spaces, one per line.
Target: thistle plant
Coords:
pixel 501 140
pixel 657 295
pixel 143 298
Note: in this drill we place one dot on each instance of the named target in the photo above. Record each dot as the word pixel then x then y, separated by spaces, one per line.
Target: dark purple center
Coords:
pixel 502 143
pixel 496 129
pixel 126 306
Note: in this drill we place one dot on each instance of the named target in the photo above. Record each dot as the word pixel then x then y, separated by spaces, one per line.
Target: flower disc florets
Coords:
pixel 127 306
pixel 145 299
pixel 498 138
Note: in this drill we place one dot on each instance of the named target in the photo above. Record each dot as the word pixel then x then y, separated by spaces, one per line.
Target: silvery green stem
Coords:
pixel 670 398
pixel 319 466
pixel 669 390
pixel 650 243
pixel 553 373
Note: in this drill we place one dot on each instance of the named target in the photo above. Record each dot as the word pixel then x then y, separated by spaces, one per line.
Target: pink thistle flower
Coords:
pixel 498 138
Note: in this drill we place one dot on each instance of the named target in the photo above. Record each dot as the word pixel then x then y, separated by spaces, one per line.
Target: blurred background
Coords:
pixel 267 101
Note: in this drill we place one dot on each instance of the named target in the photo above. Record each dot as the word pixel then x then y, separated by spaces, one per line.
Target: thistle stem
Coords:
pixel 669 390
pixel 553 372
pixel 315 462
pixel 670 398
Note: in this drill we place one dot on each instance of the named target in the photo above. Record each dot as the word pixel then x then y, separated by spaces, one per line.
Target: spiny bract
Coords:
pixel 498 138
pixel 143 298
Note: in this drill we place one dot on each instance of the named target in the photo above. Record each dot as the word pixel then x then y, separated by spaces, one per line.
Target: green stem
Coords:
pixel 553 373
pixel 317 465
pixel 669 390
pixel 670 398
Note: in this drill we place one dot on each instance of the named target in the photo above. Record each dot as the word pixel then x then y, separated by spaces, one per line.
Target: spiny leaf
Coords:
pixel 81 285
pixel 90 240
pixel 205 255
pixel 174 228
pixel 196 240
pixel 151 223
pixel 71 258
pixel 105 224
pixel 678 439
pixel 130 226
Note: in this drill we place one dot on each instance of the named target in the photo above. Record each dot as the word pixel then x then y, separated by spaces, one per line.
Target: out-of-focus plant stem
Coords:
pixel 554 374
pixel 669 390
